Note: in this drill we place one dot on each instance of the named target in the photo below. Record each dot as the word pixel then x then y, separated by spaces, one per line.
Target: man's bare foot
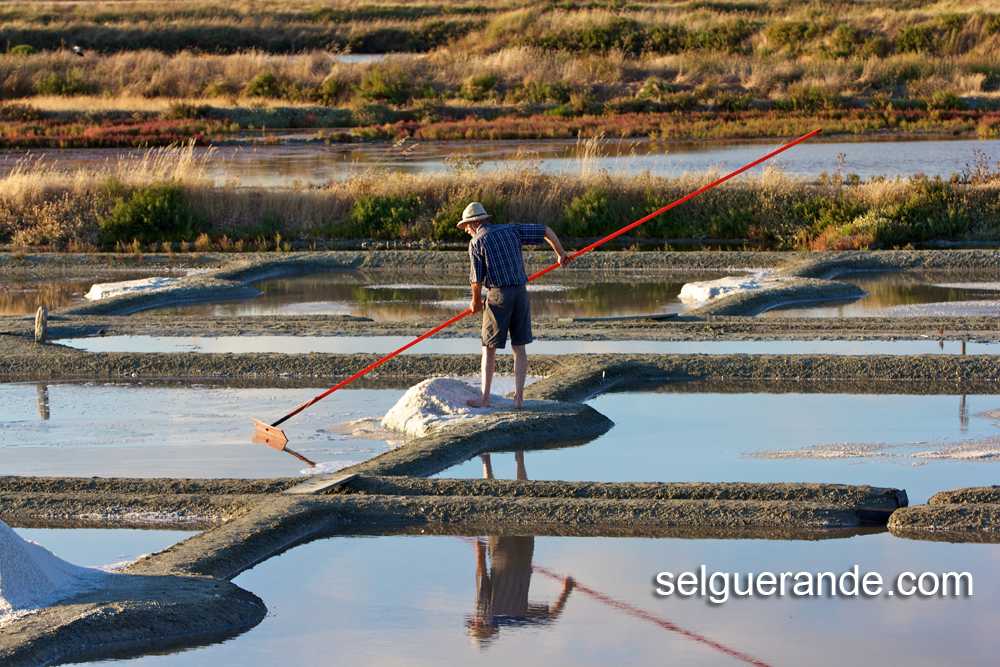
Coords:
pixel 518 405
pixel 481 402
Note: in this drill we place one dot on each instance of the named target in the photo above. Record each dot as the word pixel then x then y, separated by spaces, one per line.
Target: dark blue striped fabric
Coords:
pixel 496 253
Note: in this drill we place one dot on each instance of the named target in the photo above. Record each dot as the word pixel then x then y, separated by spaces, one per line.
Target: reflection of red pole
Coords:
pixel 271 433
pixel 637 612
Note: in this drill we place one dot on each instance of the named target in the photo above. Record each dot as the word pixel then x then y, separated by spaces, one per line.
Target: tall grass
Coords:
pixel 42 205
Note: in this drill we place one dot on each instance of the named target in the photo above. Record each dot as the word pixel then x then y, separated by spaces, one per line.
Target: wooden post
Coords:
pixel 41 324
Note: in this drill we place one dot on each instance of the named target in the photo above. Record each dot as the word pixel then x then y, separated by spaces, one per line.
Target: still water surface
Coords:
pixel 193 429
pixel 318 163
pixel 707 437
pixel 420 600
pixel 467 345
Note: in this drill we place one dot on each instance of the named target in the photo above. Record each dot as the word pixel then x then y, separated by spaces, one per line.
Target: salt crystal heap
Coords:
pixel 31 576
pixel 711 289
pixel 434 403
pixel 108 290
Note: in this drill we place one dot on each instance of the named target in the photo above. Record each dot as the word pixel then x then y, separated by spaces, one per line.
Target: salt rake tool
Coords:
pixel 272 436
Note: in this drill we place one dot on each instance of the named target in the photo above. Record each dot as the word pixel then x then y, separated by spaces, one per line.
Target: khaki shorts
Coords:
pixel 507 309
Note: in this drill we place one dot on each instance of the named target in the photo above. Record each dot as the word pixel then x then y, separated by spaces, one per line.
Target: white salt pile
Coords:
pixel 434 403
pixel 31 576
pixel 108 290
pixel 710 289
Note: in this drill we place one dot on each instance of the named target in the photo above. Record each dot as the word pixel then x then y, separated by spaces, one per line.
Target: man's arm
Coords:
pixel 553 240
pixel 477 297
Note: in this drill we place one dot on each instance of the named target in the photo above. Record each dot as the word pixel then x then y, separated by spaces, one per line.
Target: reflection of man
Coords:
pixel 502 591
pixel 497 264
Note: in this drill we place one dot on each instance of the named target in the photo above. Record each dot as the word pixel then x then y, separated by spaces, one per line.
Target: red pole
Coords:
pixel 546 270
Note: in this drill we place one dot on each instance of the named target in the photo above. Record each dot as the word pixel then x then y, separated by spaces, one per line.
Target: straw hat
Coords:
pixel 474 212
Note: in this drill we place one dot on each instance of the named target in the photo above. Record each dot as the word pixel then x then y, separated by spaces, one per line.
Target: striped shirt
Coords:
pixel 496 253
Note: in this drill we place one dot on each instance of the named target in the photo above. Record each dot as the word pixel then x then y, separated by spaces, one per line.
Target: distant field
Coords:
pixel 489 60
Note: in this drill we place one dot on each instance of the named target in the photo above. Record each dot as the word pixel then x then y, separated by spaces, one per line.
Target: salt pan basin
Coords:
pixel 428 600
pixel 921 443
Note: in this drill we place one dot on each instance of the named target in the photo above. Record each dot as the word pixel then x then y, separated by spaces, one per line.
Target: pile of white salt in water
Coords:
pixel 31 576
pixel 434 403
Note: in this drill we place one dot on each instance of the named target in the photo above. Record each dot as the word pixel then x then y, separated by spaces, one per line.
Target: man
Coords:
pixel 497 264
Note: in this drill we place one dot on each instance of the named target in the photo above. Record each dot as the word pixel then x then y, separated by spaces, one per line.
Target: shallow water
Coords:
pixel 318 163
pixel 175 428
pixel 707 437
pixel 22 297
pixel 901 294
pixel 413 601
pixel 392 296
pixel 445 345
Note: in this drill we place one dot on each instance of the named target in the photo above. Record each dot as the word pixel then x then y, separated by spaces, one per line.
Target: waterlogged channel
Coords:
pixel 449 345
pixel 193 429
pixel 923 444
pixel 433 600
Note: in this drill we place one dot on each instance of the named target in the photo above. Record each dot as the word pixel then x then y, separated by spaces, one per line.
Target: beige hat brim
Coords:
pixel 478 218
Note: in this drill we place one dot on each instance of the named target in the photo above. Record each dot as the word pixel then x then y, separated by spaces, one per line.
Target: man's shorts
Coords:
pixel 507 309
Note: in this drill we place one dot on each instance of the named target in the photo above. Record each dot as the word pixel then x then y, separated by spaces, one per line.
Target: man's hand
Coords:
pixel 553 241
pixel 477 298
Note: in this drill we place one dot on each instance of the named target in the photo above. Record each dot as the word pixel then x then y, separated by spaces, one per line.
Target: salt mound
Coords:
pixel 31 576
pixel 710 289
pixel 108 290
pixel 434 403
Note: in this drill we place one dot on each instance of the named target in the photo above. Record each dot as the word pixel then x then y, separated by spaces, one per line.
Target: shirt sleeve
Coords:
pixel 531 234
pixel 478 272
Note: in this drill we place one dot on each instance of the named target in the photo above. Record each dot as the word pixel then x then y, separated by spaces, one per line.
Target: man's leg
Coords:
pixel 488 366
pixel 520 372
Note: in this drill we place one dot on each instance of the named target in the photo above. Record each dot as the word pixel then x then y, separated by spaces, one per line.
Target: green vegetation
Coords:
pixel 146 206
pixel 154 213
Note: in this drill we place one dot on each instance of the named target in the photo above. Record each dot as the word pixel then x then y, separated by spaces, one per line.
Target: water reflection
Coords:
pixel 392 297
pixel 304 156
pixel 43 400
pixel 502 589
pixel 889 293
pixel 23 297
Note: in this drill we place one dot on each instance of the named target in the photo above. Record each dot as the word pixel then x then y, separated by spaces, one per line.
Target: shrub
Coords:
pixel 328 91
pixel 446 221
pixel 946 100
pixel 19 113
pixel 381 216
pixel 594 213
pixel 221 89
pixel 155 213
pixel 792 34
pixel 476 87
pixel 727 101
pixel 22 50
pixel 916 39
pixel 264 84
pixel 182 111
pixel 56 84
pixel 390 85
pixel 801 97
pixel 845 40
